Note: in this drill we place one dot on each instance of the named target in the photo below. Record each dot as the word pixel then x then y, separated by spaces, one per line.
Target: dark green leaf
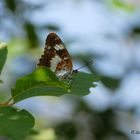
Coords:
pixel 66 130
pixel 11 4
pixel 110 83
pixel 44 82
pixel 82 83
pixel 3 55
pixel 52 27
pixel 31 35
pixel 33 132
pixel 136 30
pixel 135 33
pixel 15 124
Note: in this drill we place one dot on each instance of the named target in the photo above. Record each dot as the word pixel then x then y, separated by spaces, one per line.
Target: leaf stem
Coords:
pixel 7 103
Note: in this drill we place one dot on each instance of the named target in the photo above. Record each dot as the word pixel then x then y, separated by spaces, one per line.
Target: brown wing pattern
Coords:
pixel 55 56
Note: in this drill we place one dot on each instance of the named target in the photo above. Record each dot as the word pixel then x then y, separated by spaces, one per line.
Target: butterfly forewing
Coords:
pixel 56 57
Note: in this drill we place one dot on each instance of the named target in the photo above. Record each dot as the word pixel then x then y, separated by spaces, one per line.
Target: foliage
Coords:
pixel 42 81
pixel 3 55
pixel 15 124
pixel 92 125
pixel 111 83
pixel 120 4
pixel 86 123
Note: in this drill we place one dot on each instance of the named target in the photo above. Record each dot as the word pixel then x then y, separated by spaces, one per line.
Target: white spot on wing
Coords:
pixel 58 58
pixel 49 47
pixel 59 47
pixel 54 62
pixel 56 48
pixel 66 58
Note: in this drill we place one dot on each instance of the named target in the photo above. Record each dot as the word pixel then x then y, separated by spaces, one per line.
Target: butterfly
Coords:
pixel 57 58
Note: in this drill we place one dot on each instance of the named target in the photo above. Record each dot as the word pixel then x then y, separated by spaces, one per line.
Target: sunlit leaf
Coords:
pixel 15 124
pixel 120 4
pixel 44 82
pixel 41 82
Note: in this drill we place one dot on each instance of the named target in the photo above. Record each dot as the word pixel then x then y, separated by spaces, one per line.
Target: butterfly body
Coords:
pixel 56 57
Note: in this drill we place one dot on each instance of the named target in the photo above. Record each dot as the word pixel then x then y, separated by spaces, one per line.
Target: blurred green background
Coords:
pixel 107 31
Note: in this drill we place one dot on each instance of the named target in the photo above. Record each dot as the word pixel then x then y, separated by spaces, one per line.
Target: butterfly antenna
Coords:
pixel 91 61
pixel 75 71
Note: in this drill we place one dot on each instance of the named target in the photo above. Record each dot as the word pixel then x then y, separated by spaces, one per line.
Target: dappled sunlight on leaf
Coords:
pixel 44 82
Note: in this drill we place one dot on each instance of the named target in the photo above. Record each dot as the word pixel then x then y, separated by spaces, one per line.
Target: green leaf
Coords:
pixel 15 124
pixel 11 5
pixel 41 82
pixel 31 34
pixel 120 4
pixel 3 55
pixel 82 83
pixel 110 83
pixel 67 130
pixel 52 27
pixel 44 82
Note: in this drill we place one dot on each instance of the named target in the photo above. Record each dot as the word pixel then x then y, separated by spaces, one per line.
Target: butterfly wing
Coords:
pixel 56 56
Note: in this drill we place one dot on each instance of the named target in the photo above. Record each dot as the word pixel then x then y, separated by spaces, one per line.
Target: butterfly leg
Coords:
pixel 72 78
